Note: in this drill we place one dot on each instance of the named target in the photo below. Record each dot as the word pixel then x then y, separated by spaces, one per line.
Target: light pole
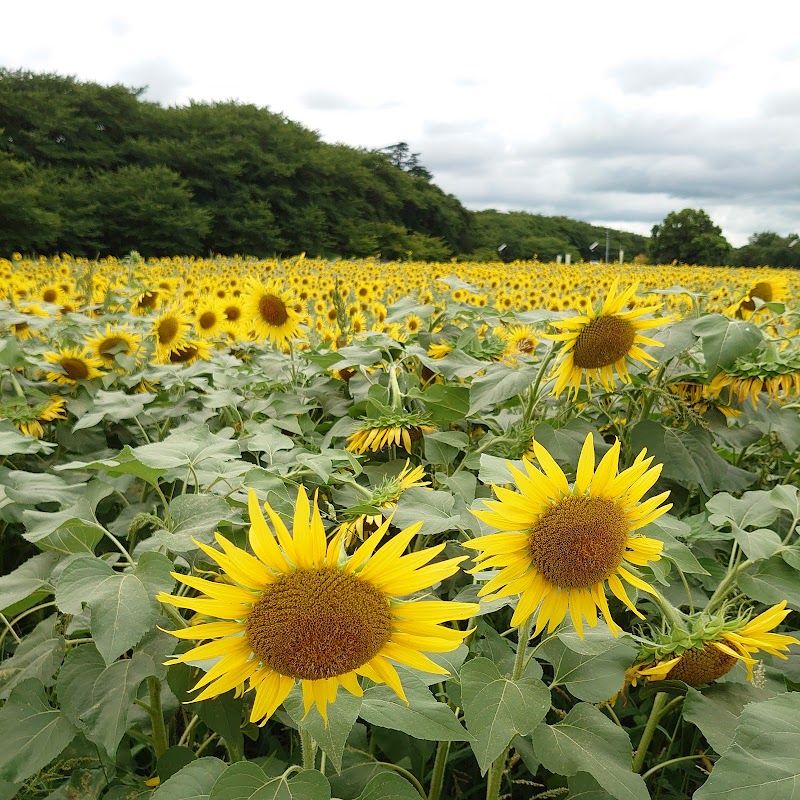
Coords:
pixel 606 245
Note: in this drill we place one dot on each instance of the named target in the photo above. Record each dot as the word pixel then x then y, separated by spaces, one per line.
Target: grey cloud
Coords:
pixel 323 100
pixel 650 76
pixel 782 104
pixel 163 79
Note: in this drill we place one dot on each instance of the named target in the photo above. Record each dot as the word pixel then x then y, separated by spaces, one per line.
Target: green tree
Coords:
pixel 769 249
pixel 688 237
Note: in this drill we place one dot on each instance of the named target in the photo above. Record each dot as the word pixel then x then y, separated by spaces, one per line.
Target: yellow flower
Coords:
pixel 712 658
pixel 190 351
pixel 597 343
pixel 399 428
pixel 563 544
pixel 297 612
pixel 28 415
pixel 768 290
pixel 171 329
pixel 271 313
pixel 73 364
pixel 114 341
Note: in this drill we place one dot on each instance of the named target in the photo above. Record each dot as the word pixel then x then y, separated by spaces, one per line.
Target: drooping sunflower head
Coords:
pixel 113 341
pixel 698 398
pixel 766 289
pixel 270 312
pixel 600 342
pixel 28 413
pixel 776 376
pixel 72 364
pixel 393 428
pixel 712 646
pixel 298 610
pixel 561 544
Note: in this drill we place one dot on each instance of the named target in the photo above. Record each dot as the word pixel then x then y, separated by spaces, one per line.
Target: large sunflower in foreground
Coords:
pixel 562 544
pixel 72 364
pixel 713 648
pixel 598 342
pixel 270 313
pixel 299 611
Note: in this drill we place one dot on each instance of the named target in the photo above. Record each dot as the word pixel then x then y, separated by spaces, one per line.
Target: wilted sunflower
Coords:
pixel 713 647
pixel 397 427
pixel 358 524
pixel 298 611
pixel 778 377
pixel 28 413
pixel 73 364
pixel 115 340
pixel 700 398
pixel 563 543
pixel 270 312
pixel 598 342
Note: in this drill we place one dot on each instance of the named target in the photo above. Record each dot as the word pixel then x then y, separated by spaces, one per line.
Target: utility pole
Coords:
pixel 606 245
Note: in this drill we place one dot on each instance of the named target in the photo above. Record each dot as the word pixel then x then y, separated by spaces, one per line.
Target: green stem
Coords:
pixel 439 766
pixel 673 616
pixel 15 383
pixel 533 397
pixel 309 749
pixel 725 586
pixel 671 761
pixel 10 629
pixel 495 776
pixel 649 730
pixel 157 717
pixel 656 382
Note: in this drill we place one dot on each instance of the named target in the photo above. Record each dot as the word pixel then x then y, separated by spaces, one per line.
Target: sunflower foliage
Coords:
pixel 270 531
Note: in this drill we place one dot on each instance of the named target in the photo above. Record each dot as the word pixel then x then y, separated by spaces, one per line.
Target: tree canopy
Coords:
pixel 688 237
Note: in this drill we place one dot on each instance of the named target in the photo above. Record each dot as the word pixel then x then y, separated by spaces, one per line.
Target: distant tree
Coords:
pixel 769 248
pixel 400 155
pixel 688 237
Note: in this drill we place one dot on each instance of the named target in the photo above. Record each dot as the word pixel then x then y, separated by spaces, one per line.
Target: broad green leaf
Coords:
pixel 29 580
pixel 34 733
pixel 33 488
pixel 442 447
pixel 497 708
pixel 432 508
pixel 269 441
pixel 716 709
pixel 664 529
pixel 82 581
pixel 592 668
pixel 423 718
pixel 38 656
pixel 455 364
pixel 495 470
pixel 783 422
pixel 500 383
pixel 223 715
pixel 753 510
pixel 447 404
pixel 71 530
pixel 247 781
pixel 114 406
pixel 388 786
pixel 565 443
pixel 771 581
pixel 763 760
pixel 724 340
pixel 689 457
pixel 195 516
pixel 584 787
pixel 342 716
pixel 786 497
pixel 98 699
pixel 153 570
pixel 188 446
pixel 193 782
pixel 124 463
pixel 588 741
pixel 13 443
pixel 174 759
pixel 677 338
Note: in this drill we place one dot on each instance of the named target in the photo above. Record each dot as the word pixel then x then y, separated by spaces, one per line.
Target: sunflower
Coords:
pixel 190 351
pixel 171 329
pixel 22 328
pixel 73 364
pixel 28 414
pixel 778 377
pixel 564 543
pixel 768 290
pixel 598 342
pixel 298 612
pixel 396 427
pixel 114 341
pixel 713 648
pixel 520 341
pixel 700 399
pixel 439 350
pixel 358 523
pixel 271 313
pixel 210 316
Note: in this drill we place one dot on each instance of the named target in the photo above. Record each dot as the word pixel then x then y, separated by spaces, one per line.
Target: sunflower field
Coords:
pixel 303 529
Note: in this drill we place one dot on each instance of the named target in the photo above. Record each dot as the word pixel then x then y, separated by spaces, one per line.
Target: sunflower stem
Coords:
pixel 396 397
pixel 725 586
pixel 15 383
pixel 309 749
pixel 672 761
pixel 439 767
pixel 157 717
pixel 648 403
pixel 649 730
pixel 533 396
pixel 673 616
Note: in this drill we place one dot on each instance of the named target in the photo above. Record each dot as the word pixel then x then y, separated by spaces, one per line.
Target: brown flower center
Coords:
pixel 272 310
pixel 318 623
pixel 50 295
pixel 232 313
pixel 168 330
pixel 579 541
pixel 702 665
pixel 207 320
pixel 603 342
pixel 183 354
pixel 148 300
pixel 111 346
pixel 75 368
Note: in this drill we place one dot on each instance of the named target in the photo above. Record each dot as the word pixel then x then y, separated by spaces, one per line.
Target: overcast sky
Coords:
pixel 616 113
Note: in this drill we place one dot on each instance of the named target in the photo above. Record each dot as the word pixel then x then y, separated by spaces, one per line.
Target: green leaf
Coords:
pixel 446 404
pixel 584 787
pixel 193 782
pixel 771 581
pixel 342 716
pixel 223 715
pixel 716 709
pixel 269 441
pixel 81 581
pixel 195 516
pixel 33 732
pixel 689 457
pixel 565 443
pixel 763 760
pixel 442 447
pixel 29 581
pixel 783 422
pixel 753 510
pixel 495 471
pixel 72 530
pixel 247 781
pixel 189 446
pixel 497 708
pixel 677 338
pixel 787 498
pixel 175 758
pixel 724 340
pixel 388 786
pixel 124 463
pixel 38 656
pixel 13 443
pixel 432 508
pixel 423 717
pixel 665 528
pixel 500 383
pixel 153 570
pixel 98 699
pixel 588 741
pixel 114 406
pixel 592 668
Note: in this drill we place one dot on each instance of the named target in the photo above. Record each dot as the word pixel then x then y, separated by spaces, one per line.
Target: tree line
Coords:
pixel 96 170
